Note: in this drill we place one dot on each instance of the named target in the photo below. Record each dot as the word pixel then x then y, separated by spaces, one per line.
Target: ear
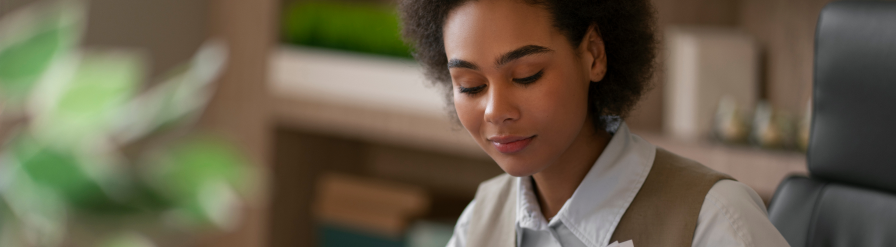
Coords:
pixel 593 54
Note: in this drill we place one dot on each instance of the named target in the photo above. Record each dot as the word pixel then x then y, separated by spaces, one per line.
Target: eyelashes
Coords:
pixel 530 79
pixel 471 90
pixel 523 81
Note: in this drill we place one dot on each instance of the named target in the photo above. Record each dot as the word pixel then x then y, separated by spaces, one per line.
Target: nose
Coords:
pixel 501 107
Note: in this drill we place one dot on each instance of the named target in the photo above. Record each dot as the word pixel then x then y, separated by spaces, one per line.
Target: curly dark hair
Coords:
pixel 627 28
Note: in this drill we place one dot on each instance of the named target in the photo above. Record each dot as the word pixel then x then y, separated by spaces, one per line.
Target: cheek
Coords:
pixel 468 113
pixel 561 104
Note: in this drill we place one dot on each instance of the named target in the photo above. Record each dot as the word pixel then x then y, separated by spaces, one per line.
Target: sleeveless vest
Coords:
pixel 663 213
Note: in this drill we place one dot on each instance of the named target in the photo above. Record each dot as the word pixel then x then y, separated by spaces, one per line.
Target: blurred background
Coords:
pixel 307 123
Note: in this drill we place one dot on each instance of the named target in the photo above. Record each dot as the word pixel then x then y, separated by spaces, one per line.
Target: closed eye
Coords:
pixel 471 90
pixel 530 79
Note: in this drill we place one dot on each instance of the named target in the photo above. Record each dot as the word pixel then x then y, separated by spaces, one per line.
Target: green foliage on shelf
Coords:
pixel 358 27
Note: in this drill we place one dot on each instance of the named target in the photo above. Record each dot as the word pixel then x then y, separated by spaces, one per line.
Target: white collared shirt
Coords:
pixel 732 213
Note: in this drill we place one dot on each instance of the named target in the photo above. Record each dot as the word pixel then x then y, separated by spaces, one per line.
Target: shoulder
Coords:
pixel 730 194
pixel 733 215
pixel 459 238
pixel 487 190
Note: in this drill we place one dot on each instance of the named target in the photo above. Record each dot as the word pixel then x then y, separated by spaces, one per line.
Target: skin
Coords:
pixel 552 109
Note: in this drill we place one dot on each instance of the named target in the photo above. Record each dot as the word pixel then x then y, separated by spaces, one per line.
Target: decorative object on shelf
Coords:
pixel 82 139
pixel 368 28
pixel 772 129
pixel 703 65
pixel 730 125
pixel 769 128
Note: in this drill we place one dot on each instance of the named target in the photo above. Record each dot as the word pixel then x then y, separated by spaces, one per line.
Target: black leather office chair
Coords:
pixel 850 199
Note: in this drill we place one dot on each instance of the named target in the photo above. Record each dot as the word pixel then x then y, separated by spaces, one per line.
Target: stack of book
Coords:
pixel 359 211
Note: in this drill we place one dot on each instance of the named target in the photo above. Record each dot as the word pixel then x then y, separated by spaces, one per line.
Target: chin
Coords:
pixel 518 167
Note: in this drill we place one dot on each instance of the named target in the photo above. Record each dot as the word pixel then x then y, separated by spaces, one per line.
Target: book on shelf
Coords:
pixel 353 208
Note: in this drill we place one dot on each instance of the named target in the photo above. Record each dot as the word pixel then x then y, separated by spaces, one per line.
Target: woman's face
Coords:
pixel 520 88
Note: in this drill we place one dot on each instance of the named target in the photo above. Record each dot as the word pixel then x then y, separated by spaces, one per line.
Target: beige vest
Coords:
pixel 663 213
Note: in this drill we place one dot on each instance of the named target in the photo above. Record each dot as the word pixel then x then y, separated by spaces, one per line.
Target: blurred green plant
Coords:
pixel 82 137
pixel 31 41
pixel 368 28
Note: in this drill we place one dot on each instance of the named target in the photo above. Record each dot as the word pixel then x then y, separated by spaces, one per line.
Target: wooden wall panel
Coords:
pixel 239 109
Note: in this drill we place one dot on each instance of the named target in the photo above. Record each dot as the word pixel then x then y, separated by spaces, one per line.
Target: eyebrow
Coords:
pixel 520 52
pixel 503 59
pixel 457 63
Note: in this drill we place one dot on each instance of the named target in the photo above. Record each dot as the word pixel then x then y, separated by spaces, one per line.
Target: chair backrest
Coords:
pixel 851 198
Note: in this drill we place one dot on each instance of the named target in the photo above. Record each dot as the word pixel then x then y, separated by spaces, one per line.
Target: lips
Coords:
pixel 510 144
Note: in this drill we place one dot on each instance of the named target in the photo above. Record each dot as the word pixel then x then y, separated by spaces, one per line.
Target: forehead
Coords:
pixel 484 29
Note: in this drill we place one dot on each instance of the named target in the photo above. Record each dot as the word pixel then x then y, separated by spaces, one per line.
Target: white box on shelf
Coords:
pixel 354 79
pixel 703 64
pixel 368 97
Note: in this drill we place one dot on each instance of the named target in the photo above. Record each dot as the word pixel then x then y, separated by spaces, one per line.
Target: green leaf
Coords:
pixel 202 177
pixel 87 105
pixel 179 97
pixel 63 172
pixel 23 62
pixel 40 213
pixel 31 39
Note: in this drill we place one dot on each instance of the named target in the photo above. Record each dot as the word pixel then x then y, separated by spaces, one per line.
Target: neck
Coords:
pixel 556 184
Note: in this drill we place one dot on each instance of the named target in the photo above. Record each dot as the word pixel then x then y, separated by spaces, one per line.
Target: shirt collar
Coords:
pixel 599 202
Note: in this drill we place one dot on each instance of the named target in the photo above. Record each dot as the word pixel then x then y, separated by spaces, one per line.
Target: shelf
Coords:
pixel 368 97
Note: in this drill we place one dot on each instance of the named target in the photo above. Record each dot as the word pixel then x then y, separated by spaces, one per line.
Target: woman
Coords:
pixel 543 86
